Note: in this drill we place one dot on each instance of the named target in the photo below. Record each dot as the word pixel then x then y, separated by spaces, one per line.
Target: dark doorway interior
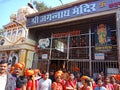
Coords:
pixel 57 65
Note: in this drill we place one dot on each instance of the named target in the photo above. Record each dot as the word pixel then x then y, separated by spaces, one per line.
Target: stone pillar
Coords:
pixel 118 34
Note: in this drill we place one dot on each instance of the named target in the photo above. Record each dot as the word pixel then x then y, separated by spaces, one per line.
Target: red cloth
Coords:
pixel 42 75
pixel 109 86
pixel 57 86
pixel 70 84
pixel 86 88
pixel 63 82
pixel 94 85
pixel 17 88
pixel 115 86
pixel 36 83
pixel 29 84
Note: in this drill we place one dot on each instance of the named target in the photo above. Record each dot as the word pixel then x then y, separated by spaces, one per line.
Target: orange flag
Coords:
pixel 33 83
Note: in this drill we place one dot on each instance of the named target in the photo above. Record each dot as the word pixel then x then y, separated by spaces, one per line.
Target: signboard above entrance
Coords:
pixel 73 11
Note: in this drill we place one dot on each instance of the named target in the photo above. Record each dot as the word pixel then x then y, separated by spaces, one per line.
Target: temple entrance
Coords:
pixel 57 64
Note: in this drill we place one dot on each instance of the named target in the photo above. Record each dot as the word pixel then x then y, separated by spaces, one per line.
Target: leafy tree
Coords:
pixel 40 6
pixel 1 30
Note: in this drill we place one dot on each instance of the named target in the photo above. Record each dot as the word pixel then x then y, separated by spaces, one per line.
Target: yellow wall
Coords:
pixel 23 54
pixel 29 59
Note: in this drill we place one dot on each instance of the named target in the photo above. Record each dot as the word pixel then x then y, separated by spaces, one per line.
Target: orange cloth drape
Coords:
pixel 33 83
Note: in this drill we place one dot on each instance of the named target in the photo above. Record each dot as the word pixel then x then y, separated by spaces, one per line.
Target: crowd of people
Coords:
pixel 59 80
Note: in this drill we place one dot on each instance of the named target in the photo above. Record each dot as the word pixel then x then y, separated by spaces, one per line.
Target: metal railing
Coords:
pixel 108 67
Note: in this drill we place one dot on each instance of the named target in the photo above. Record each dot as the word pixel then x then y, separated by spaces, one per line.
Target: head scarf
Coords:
pixel 19 65
pixel 36 71
pixel 58 73
pixel 85 78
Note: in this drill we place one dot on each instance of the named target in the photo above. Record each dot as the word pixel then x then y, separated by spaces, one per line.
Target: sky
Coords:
pixel 11 6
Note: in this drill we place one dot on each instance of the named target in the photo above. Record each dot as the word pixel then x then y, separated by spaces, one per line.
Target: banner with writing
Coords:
pixel 102 38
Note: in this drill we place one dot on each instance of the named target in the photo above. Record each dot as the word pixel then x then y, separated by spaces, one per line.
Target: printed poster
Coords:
pixel 102 38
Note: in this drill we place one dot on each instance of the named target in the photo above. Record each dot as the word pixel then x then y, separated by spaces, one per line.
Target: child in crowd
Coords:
pixel 107 84
pixel 86 83
pixel 116 86
pixel 100 85
pixel 21 83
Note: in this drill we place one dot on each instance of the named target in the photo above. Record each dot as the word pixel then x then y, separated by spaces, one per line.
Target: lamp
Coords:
pixel 61 2
pixel 31 6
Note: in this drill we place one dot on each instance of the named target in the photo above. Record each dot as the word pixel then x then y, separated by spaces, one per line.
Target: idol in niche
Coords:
pixel 102 34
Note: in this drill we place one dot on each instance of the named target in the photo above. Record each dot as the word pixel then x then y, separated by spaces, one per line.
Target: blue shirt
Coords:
pixel 100 88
